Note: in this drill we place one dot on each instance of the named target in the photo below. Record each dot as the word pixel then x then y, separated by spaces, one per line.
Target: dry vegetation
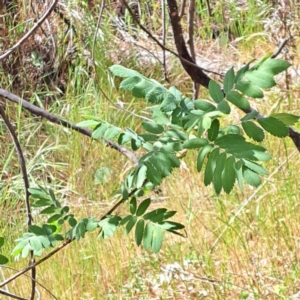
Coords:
pixel 242 246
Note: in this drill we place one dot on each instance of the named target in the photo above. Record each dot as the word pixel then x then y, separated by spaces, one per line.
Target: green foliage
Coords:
pixel 3 259
pixel 178 124
pixel 150 226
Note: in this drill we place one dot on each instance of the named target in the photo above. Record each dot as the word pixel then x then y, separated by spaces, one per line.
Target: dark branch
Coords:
pixel 57 120
pixel 26 185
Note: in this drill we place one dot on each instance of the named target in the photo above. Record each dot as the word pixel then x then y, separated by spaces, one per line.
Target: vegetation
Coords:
pixel 187 174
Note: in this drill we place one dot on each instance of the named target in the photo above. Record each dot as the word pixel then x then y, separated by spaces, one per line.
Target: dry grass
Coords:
pixel 242 246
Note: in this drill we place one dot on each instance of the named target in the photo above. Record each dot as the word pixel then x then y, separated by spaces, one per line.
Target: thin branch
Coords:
pixel 30 32
pixel 50 254
pixel 8 294
pixel 280 48
pixel 97 28
pixel 63 245
pixel 191 17
pixel 163 16
pixel 37 282
pixel 57 120
pixel 178 55
pixel 26 185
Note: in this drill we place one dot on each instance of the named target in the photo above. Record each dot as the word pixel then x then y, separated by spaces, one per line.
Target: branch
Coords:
pixel 57 120
pixel 26 185
pixel 11 295
pixel 197 74
pixel 178 55
pixel 64 244
pixel 30 32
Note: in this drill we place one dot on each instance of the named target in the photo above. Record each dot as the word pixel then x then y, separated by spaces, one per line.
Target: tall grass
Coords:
pixel 239 246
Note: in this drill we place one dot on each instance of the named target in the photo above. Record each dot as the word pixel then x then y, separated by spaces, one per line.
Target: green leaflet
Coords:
pixel 153 127
pixel 143 207
pixel 202 154
pixel 139 231
pixel 252 178
pixel 121 71
pixel 249 89
pixel 274 126
pixel 195 143
pixel 238 100
pixel 213 131
pixel 229 81
pixel 217 181
pixel 215 91
pixel 210 166
pixel 287 119
pixel 228 175
pixel 253 131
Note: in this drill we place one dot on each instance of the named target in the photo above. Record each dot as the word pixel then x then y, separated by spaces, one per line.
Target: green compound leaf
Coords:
pixel 143 207
pixel 153 127
pixel 202 154
pixel 157 239
pixel 228 81
pixel 215 91
pixel 228 175
pixel 274 126
pixel 249 89
pixel 238 100
pixel 213 131
pixel 251 177
pixel 139 231
pixel 253 131
pixel 195 143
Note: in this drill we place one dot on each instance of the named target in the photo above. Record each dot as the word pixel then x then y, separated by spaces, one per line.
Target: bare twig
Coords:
pixel 181 57
pixel 163 16
pixel 30 32
pixel 280 48
pixel 97 28
pixel 57 120
pixel 63 245
pixel 26 185
pixel 8 294
pixel 37 282
pixel 191 17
